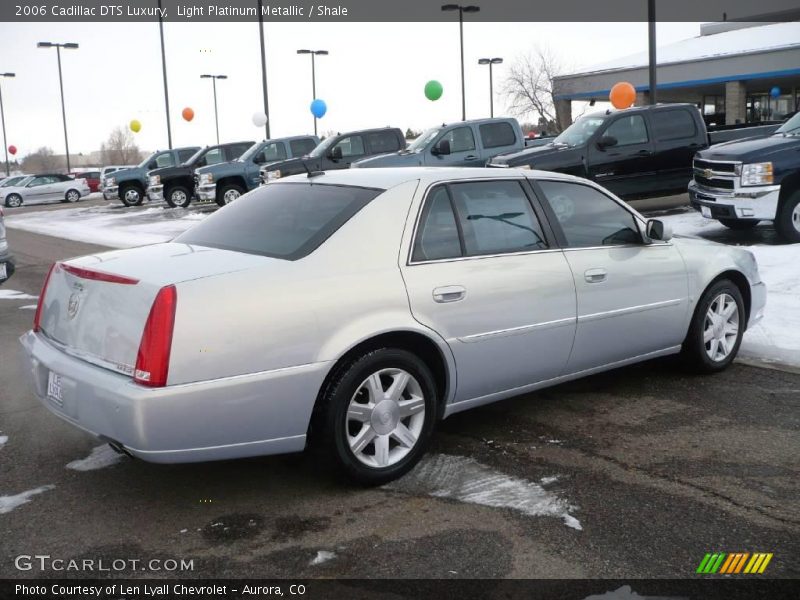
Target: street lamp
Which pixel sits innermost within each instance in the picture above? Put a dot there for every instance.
(490, 62)
(3, 119)
(314, 53)
(461, 10)
(58, 47)
(213, 79)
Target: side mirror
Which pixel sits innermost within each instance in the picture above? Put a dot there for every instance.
(441, 148)
(335, 153)
(658, 230)
(151, 165)
(607, 141)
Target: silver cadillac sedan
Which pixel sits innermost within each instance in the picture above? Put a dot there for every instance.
(357, 308)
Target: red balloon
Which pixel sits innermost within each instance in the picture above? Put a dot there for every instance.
(12, 149)
(188, 114)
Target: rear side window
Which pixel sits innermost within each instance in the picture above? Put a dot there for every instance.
(281, 220)
(672, 125)
(301, 147)
(628, 130)
(460, 138)
(494, 135)
(186, 154)
(235, 151)
(437, 236)
(383, 141)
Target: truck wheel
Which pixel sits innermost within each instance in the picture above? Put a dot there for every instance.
(228, 194)
(739, 224)
(178, 196)
(787, 221)
(130, 195)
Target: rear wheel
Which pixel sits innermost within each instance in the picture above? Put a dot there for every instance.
(378, 415)
(178, 196)
(739, 224)
(72, 196)
(787, 221)
(13, 200)
(228, 194)
(717, 327)
(130, 195)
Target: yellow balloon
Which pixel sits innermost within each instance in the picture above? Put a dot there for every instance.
(135, 126)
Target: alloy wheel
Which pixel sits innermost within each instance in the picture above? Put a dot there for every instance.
(230, 196)
(73, 196)
(721, 327)
(132, 195)
(796, 218)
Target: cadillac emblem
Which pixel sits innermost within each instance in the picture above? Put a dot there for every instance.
(73, 305)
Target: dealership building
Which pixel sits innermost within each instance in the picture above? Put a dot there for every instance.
(728, 71)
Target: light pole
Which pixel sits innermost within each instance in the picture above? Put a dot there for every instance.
(490, 62)
(314, 53)
(214, 82)
(58, 47)
(164, 74)
(461, 10)
(3, 119)
(263, 63)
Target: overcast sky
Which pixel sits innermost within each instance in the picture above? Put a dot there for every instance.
(374, 75)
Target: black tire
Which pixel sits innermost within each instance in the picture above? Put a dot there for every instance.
(787, 221)
(131, 195)
(694, 350)
(226, 192)
(178, 196)
(72, 195)
(739, 224)
(331, 423)
(13, 200)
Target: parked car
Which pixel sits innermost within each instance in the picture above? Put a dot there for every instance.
(640, 151)
(338, 152)
(742, 183)
(225, 182)
(346, 302)
(461, 144)
(176, 184)
(92, 178)
(129, 185)
(6, 259)
(45, 186)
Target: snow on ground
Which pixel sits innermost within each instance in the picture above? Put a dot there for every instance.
(16, 295)
(9, 503)
(467, 480)
(107, 226)
(101, 456)
(322, 556)
(3, 440)
(28, 307)
(777, 337)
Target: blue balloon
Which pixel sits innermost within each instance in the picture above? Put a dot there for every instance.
(775, 92)
(319, 108)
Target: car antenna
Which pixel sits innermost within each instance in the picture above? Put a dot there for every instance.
(310, 172)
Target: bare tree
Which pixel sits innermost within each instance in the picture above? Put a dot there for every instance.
(120, 149)
(43, 160)
(529, 87)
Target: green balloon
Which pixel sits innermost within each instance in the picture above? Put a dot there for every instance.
(433, 90)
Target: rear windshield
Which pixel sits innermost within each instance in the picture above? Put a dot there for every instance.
(281, 220)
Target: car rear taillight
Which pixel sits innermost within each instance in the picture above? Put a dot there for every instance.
(38, 314)
(152, 361)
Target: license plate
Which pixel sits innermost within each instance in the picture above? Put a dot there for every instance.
(3, 271)
(54, 391)
(705, 211)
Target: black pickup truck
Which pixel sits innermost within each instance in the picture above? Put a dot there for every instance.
(758, 179)
(176, 184)
(636, 152)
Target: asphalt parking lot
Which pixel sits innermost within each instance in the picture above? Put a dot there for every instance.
(656, 467)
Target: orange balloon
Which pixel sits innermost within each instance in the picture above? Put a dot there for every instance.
(188, 113)
(622, 95)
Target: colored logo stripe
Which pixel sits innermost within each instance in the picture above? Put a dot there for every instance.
(758, 563)
(711, 562)
(734, 562)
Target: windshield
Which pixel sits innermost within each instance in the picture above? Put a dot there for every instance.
(320, 150)
(579, 132)
(791, 126)
(18, 180)
(422, 141)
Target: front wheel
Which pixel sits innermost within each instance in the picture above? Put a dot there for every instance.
(228, 194)
(13, 200)
(378, 415)
(787, 221)
(130, 195)
(72, 196)
(717, 327)
(178, 197)
(739, 224)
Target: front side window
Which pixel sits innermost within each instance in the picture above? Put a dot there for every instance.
(280, 220)
(213, 157)
(270, 153)
(461, 139)
(37, 181)
(628, 130)
(437, 236)
(495, 135)
(164, 160)
(350, 146)
(588, 217)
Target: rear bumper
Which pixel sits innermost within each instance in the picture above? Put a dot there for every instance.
(6, 261)
(248, 415)
(759, 202)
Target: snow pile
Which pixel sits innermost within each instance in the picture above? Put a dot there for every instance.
(101, 456)
(466, 480)
(16, 295)
(322, 556)
(3, 440)
(9, 503)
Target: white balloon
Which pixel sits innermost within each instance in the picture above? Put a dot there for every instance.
(259, 119)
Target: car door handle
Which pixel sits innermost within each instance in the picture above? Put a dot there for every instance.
(471, 157)
(595, 275)
(644, 153)
(449, 293)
